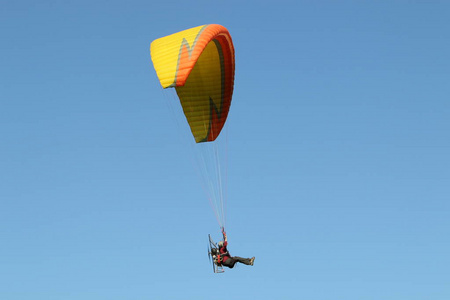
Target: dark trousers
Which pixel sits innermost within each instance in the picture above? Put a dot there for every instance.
(231, 261)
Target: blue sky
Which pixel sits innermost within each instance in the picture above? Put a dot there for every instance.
(338, 168)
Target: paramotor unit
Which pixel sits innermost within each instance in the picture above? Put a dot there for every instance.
(213, 254)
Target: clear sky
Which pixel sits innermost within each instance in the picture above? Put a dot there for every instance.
(338, 167)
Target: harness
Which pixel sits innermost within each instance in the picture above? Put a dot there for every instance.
(220, 256)
(218, 260)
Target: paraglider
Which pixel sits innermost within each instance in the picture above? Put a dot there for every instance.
(199, 63)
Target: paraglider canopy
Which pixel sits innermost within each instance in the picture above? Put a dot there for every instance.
(199, 64)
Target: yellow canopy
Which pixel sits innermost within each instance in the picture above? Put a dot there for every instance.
(199, 64)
